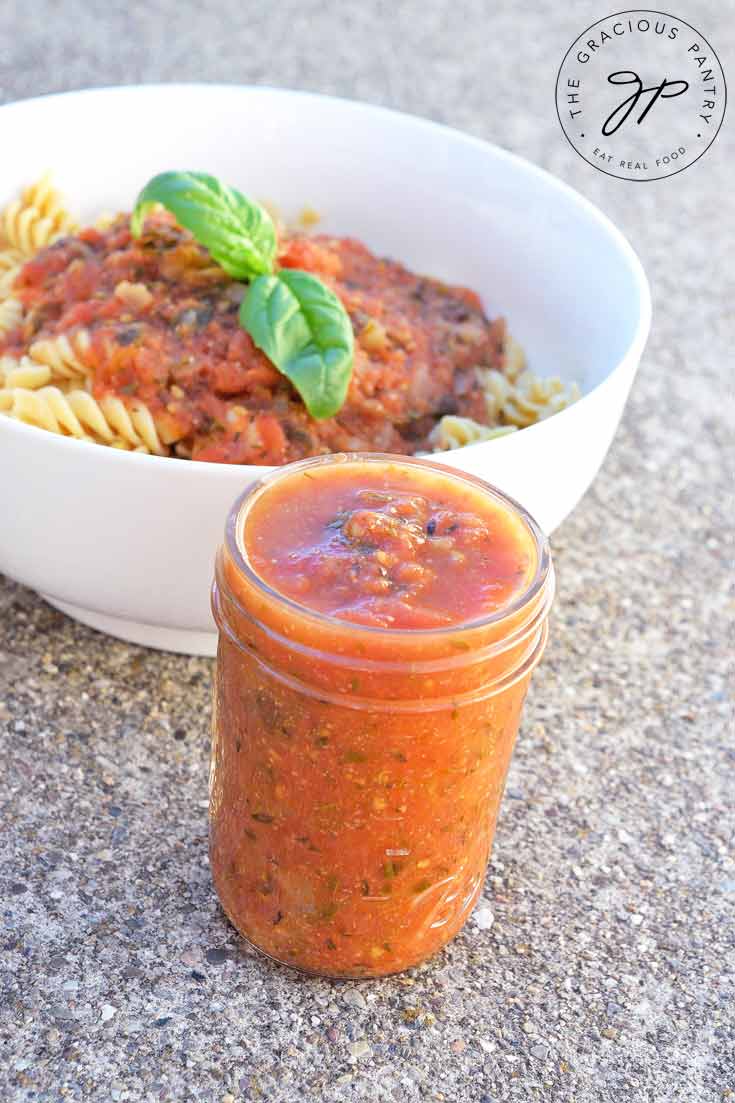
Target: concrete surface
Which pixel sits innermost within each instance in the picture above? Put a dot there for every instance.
(607, 972)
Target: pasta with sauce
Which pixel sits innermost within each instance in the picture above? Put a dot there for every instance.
(10, 265)
(135, 344)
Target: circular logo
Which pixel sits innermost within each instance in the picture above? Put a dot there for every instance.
(641, 95)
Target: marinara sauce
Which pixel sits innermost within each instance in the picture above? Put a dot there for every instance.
(379, 621)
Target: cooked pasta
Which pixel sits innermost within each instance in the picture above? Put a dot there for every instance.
(36, 219)
(7, 279)
(47, 201)
(514, 358)
(455, 432)
(11, 313)
(47, 408)
(135, 344)
(76, 413)
(9, 259)
(104, 221)
(134, 424)
(10, 263)
(525, 400)
(23, 373)
(63, 355)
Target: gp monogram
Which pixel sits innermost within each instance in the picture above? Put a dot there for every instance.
(641, 95)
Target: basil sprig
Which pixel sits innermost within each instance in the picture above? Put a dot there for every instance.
(297, 321)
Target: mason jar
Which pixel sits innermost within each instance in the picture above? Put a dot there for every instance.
(358, 768)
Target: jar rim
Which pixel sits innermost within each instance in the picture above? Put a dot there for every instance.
(236, 550)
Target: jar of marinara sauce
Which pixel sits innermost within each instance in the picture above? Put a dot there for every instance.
(379, 620)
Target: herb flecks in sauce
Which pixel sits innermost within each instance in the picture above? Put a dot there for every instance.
(382, 818)
(389, 556)
(292, 315)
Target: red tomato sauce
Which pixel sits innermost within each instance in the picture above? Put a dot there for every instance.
(357, 763)
(163, 321)
(387, 545)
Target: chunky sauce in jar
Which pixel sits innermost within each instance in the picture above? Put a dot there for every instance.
(390, 546)
(379, 621)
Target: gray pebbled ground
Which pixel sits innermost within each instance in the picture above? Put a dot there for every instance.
(599, 967)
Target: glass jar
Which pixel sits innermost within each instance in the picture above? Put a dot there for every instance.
(357, 772)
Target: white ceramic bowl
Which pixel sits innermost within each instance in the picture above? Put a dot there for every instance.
(125, 542)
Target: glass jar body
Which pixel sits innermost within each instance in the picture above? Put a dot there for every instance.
(350, 841)
(357, 770)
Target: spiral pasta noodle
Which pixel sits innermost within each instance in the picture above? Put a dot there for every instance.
(134, 424)
(47, 201)
(514, 358)
(527, 400)
(76, 413)
(9, 259)
(11, 314)
(10, 265)
(47, 408)
(456, 432)
(23, 373)
(515, 398)
(63, 355)
(7, 279)
(36, 219)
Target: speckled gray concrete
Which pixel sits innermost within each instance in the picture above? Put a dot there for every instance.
(607, 972)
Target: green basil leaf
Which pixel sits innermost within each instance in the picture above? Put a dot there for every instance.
(302, 326)
(238, 233)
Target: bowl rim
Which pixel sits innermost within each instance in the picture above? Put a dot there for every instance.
(429, 126)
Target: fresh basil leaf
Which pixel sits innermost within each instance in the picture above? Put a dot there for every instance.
(302, 326)
(238, 233)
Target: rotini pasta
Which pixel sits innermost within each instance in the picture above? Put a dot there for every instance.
(455, 432)
(11, 314)
(133, 423)
(104, 220)
(47, 408)
(63, 355)
(76, 413)
(515, 398)
(9, 259)
(45, 198)
(36, 219)
(23, 373)
(7, 279)
(514, 358)
(10, 263)
(525, 400)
